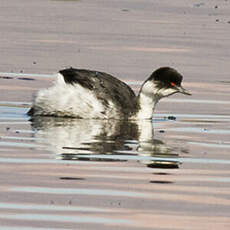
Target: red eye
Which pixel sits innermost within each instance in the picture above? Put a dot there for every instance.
(172, 84)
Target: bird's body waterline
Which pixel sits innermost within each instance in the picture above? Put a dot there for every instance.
(88, 94)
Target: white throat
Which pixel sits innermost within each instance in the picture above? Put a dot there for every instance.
(147, 105)
(147, 99)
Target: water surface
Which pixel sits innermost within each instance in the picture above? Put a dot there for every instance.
(101, 173)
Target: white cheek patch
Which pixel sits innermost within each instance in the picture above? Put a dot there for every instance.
(166, 92)
(152, 89)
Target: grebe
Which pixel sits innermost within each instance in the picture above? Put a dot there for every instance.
(88, 94)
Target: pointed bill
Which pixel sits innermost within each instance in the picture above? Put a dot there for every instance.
(183, 91)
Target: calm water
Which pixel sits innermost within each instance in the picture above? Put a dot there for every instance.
(104, 173)
(169, 174)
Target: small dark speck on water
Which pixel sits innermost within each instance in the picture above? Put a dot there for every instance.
(26, 79)
(161, 173)
(17, 132)
(160, 182)
(71, 178)
(217, 20)
(184, 151)
(163, 166)
(6, 77)
(7, 128)
(172, 118)
(199, 4)
(125, 10)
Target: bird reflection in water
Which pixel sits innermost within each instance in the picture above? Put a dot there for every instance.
(104, 140)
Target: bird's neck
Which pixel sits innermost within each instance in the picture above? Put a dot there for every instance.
(146, 101)
(146, 106)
